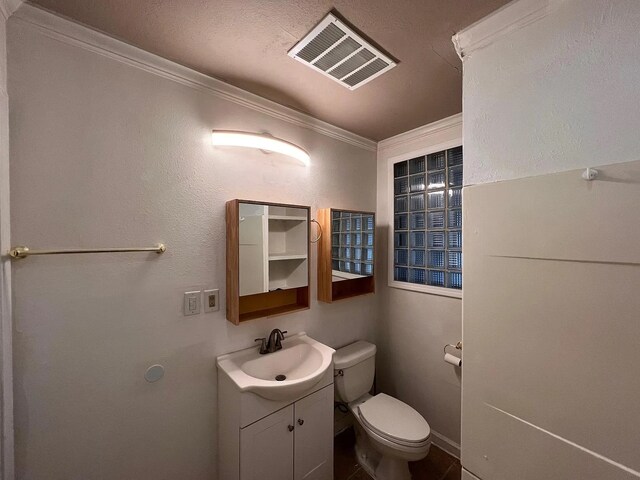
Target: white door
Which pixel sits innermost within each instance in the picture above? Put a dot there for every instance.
(313, 457)
(551, 328)
(266, 447)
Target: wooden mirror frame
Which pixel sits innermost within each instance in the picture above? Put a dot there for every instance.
(278, 302)
(328, 290)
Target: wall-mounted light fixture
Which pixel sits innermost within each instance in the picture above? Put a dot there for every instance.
(259, 141)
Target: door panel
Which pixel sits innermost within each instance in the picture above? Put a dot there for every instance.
(252, 266)
(266, 448)
(550, 327)
(313, 454)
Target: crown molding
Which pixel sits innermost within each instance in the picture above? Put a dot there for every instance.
(454, 121)
(511, 17)
(7, 7)
(77, 35)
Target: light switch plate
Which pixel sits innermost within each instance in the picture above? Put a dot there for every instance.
(191, 303)
(211, 300)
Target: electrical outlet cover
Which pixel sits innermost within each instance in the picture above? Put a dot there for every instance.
(211, 300)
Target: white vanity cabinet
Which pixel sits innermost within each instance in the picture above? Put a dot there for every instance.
(295, 443)
(261, 439)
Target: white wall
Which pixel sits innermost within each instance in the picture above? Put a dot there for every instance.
(413, 327)
(550, 303)
(557, 94)
(109, 154)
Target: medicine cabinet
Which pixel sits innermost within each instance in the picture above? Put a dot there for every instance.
(267, 259)
(346, 253)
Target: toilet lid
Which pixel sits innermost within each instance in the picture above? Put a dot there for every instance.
(394, 420)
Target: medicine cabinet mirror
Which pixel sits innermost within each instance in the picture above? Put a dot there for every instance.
(267, 259)
(346, 253)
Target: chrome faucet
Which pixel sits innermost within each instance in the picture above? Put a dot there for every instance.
(274, 343)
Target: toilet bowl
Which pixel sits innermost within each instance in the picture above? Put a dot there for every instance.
(389, 433)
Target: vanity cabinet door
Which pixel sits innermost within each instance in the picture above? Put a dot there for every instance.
(266, 447)
(314, 436)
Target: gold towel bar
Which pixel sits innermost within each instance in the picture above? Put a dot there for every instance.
(22, 251)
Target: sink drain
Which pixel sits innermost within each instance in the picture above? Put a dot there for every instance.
(280, 378)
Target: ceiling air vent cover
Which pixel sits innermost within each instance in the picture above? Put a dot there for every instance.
(336, 51)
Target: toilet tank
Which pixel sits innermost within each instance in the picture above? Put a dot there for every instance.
(354, 368)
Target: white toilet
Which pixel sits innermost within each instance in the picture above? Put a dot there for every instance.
(389, 433)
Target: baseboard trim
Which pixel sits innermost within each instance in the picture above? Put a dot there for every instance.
(467, 475)
(445, 443)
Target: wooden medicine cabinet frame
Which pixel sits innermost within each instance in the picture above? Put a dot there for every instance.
(328, 290)
(275, 302)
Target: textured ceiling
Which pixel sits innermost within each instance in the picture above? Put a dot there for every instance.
(245, 43)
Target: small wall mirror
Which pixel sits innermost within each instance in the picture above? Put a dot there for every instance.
(346, 254)
(267, 259)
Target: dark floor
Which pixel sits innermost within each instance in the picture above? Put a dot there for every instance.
(438, 465)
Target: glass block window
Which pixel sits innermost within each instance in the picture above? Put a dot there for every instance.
(352, 242)
(428, 219)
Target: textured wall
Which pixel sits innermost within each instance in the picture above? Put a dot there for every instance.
(550, 310)
(412, 326)
(561, 93)
(105, 154)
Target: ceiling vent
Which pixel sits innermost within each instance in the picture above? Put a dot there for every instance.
(339, 53)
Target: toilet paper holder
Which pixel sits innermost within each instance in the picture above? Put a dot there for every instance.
(457, 346)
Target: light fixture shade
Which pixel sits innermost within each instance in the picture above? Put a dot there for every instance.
(262, 142)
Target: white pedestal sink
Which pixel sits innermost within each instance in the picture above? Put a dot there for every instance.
(281, 375)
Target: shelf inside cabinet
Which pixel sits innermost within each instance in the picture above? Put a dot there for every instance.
(276, 302)
(274, 257)
(288, 218)
(339, 276)
(291, 273)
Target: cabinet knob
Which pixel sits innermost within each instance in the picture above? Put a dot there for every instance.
(291, 427)
(300, 421)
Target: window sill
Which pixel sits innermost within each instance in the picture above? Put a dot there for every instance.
(441, 291)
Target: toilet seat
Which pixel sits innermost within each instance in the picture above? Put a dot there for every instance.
(395, 421)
